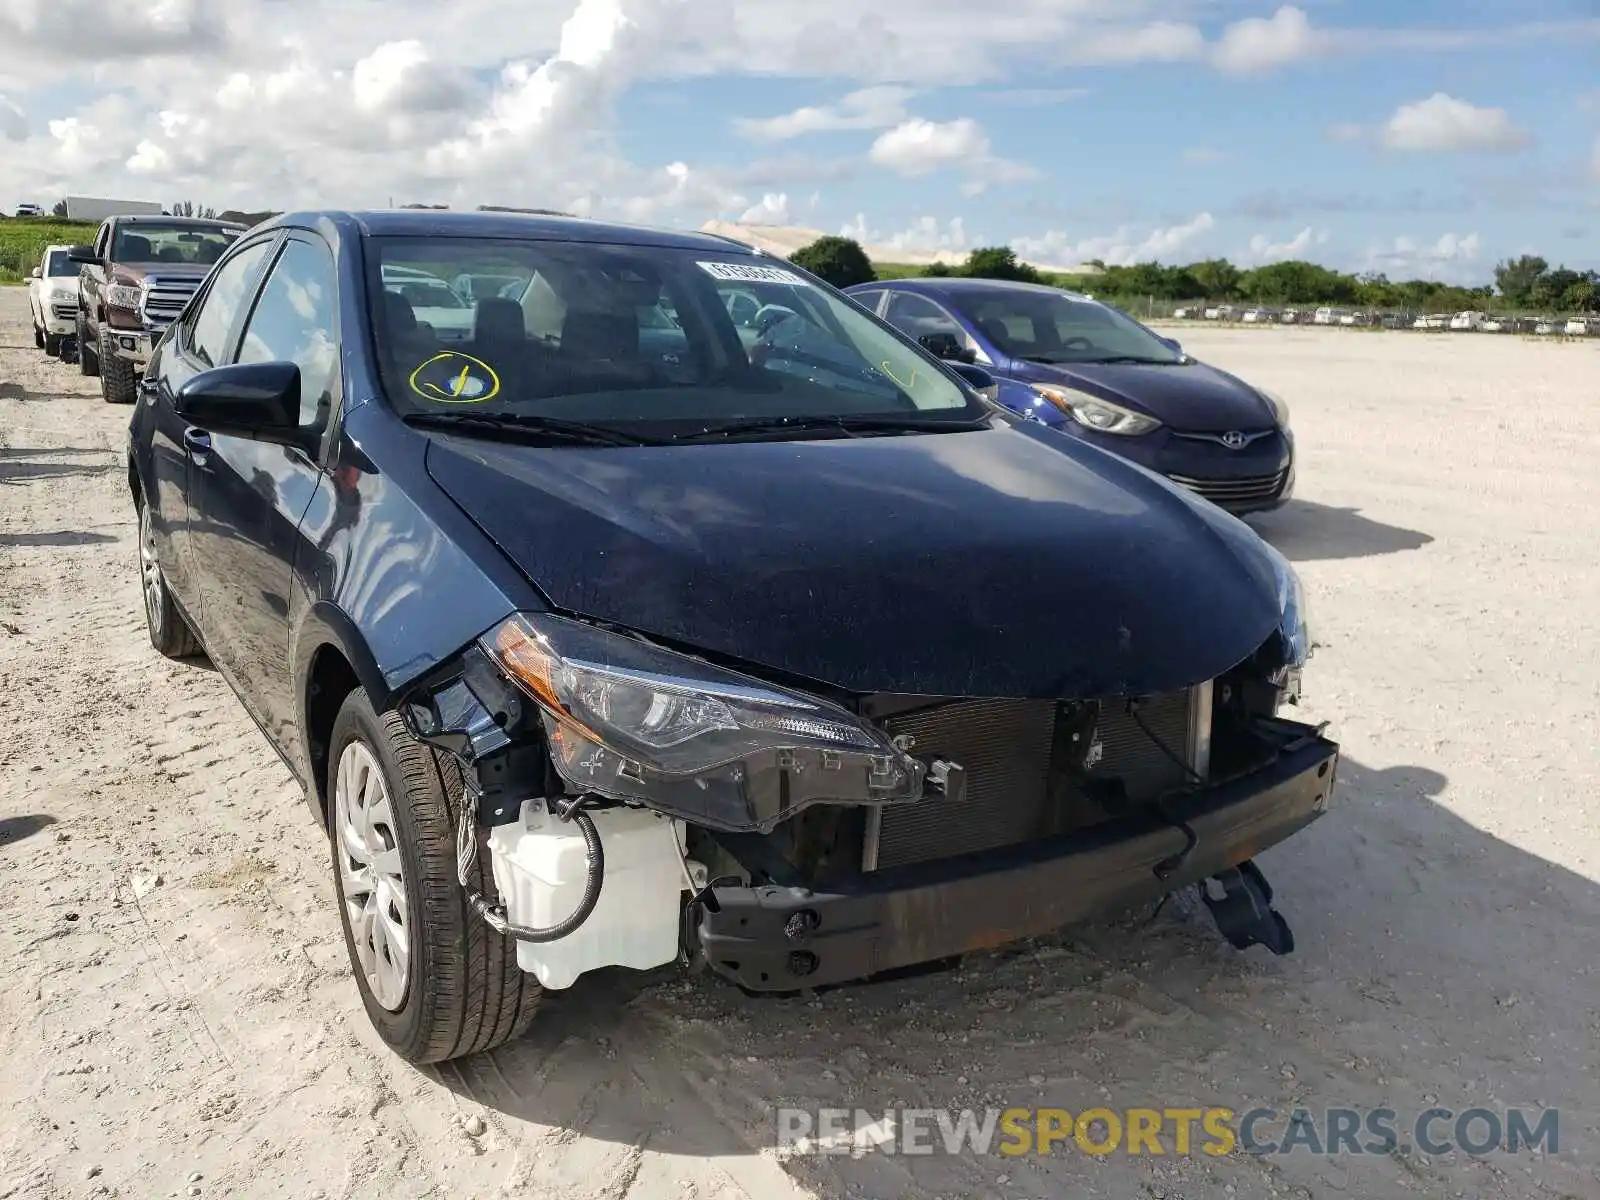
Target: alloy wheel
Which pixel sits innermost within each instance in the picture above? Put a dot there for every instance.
(150, 570)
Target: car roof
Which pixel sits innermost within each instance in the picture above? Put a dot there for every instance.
(956, 286)
(170, 222)
(446, 224)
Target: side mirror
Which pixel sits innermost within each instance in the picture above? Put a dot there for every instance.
(976, 376)
(36, 273)
(946, 346)
(253, 400)
(1171, 344)
(83, 254)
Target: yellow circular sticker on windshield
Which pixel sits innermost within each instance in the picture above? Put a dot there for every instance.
(451, 377)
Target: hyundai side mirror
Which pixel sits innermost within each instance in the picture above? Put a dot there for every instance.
(946, 346)
(980, 379)
(83, 254)
(253, 400)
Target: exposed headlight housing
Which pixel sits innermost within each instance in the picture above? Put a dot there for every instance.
(1280, 408)
(1294, 623)
(632, 721)
(124, 295)
(1091, 412)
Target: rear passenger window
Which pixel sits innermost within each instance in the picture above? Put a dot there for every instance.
(293, 321)
(213, 320)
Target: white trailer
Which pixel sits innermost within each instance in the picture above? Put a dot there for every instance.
(98, 208)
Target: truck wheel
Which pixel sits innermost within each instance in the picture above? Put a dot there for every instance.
(118, 382)
(87, 363)
(169, 631)
(38, 338)
(52, 345)
(436, 980)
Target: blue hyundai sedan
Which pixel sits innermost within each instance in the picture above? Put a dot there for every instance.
(1092, 371)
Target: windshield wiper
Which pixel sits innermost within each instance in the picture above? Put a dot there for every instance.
(530, 425)
(1132, 358)
(850, 426)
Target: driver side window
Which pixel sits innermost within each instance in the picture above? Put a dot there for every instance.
(916, 316)
(207, 334)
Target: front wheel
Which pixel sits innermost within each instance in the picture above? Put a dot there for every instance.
(169, 631)
(437, 982)
(119, 384)
(38, 338)
(52, 345)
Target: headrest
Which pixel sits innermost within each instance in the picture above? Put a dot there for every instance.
(499, 318)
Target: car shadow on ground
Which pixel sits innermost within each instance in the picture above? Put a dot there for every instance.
(1435, 962)
(61, 537)
(14, 829)
(1305, 531)
(15, 467)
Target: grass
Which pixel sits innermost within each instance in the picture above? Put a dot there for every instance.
(23, 239)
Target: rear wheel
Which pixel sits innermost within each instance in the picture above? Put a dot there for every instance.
(38, 338)
(169, 631)
(436, 980)
(118, 382)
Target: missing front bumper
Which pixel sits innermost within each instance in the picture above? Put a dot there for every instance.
(774, 938)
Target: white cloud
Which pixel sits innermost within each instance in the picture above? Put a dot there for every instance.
(773, 209)
(1263, 43)
(1264, 250)
(13, 120)
(869, 108)
(1442, 122)
(1119, 249)
(925, 236)
(918, 147)
(1448, 259)
(1159, 41)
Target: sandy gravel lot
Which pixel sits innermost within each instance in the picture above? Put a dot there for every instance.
(176, 1016)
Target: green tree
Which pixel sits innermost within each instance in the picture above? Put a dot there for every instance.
(999, 262)
(1516, 278)
(938, 269)
(1580, 297)
(1218, 278)
(839, 260)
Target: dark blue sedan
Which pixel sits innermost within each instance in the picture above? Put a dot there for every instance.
(672, 608)
(1093, 371)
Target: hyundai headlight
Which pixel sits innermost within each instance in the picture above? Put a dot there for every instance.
(1094, 413)
(632, 721)
(1280, 408)
(1294, 624)
(124, 295)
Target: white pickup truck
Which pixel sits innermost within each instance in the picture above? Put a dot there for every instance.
(53, 299)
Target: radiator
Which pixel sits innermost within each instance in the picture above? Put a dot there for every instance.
(1006, 747)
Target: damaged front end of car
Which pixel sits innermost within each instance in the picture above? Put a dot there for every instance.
(639, 804)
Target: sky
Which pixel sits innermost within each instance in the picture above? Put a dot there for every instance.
(1425, 138)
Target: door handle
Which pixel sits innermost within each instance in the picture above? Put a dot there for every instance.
(196, 441)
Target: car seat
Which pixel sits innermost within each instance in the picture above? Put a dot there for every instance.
(134, 248)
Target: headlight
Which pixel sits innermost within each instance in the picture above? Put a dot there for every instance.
(1280, 409)
(1294, 623)
(124, 295)
(1094, 413)
(63, 296)
(631, 721)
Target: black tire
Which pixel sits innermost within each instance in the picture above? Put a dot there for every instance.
(170, 632)
(38, 338)
(119, 383)
(87, 363)
(52, 345)
(464, 992)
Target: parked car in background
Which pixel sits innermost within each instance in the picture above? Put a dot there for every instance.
(133, 280)
(1253, 316)
(29, 210)
(434, 303)
(1545, 327)
(1577, 327)
(1289, 316)
(1466, 321)
(793, 659)
(1095, 373)
(1182, 314)
(1324, 316)
(53, 299)
(1494, 325)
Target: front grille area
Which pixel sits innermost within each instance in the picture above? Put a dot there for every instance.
(1007, 748)
(165, 297)
(1242, 489)
(65, 312)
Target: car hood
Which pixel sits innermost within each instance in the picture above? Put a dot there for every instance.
(1186, 396)
(1013, 561)
(136, 271)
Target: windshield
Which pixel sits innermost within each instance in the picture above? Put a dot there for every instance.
(1054, 327)
(639, 336)
(148, 242)
(58, 266)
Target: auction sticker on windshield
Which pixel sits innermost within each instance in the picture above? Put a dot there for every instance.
(745, 274)
(451, 377)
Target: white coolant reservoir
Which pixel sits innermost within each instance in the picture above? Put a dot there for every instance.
(541, 865)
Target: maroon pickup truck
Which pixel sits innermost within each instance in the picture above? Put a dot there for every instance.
(136, 277)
